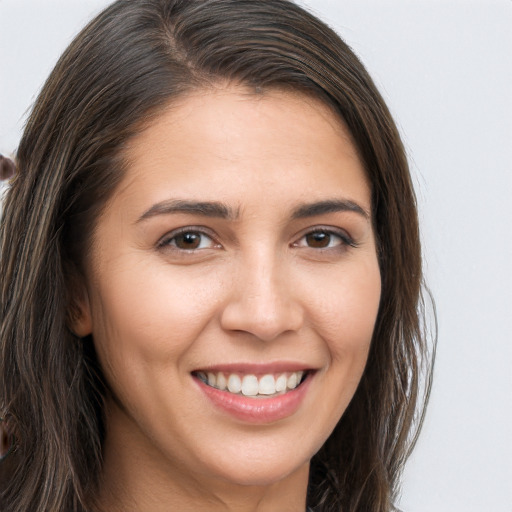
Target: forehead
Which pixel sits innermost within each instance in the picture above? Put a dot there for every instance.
(217, 138)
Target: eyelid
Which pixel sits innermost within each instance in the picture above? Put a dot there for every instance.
(342, 234)
(201, 230)
(346, 238)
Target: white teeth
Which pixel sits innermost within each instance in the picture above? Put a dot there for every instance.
(221, 381)
(267, 385)
(250, 385)
(291, 383)
(234, 383)
(281, 383)
(212, 379)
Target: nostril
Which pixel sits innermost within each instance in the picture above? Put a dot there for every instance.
(266, 320)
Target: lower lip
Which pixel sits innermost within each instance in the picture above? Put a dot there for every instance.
(257, 410)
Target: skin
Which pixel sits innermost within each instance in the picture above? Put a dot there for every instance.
(257, 289)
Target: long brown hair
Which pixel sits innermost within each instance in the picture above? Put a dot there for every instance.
(115, 77)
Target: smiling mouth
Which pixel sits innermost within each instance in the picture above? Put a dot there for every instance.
(252, 386)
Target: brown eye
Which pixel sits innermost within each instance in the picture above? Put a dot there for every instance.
(319, 240)
(190, 241)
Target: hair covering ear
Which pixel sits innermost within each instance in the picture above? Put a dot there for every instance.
(79, 313)
(7, 168)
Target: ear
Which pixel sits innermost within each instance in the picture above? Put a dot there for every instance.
(79, 312)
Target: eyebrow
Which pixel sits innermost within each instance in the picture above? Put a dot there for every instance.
(220, 210)
(202, 208)
(329, 206)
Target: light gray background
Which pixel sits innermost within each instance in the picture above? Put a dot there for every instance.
(445, 69)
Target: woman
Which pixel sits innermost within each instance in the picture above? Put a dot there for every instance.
(211, 271)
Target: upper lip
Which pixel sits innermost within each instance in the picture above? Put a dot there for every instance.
(256, 368)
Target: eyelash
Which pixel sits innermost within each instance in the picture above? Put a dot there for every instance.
(189, 230)
(343, 237)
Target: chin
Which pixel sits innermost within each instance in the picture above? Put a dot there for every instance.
(262, 474)
(259, 467)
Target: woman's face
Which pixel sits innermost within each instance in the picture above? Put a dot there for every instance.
(233, 288)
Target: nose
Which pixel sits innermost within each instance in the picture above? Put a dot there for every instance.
(262, 301)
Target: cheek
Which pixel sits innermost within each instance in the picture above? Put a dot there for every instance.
(346, 319)
(152, 315)
(343, 310)
(346, 309)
